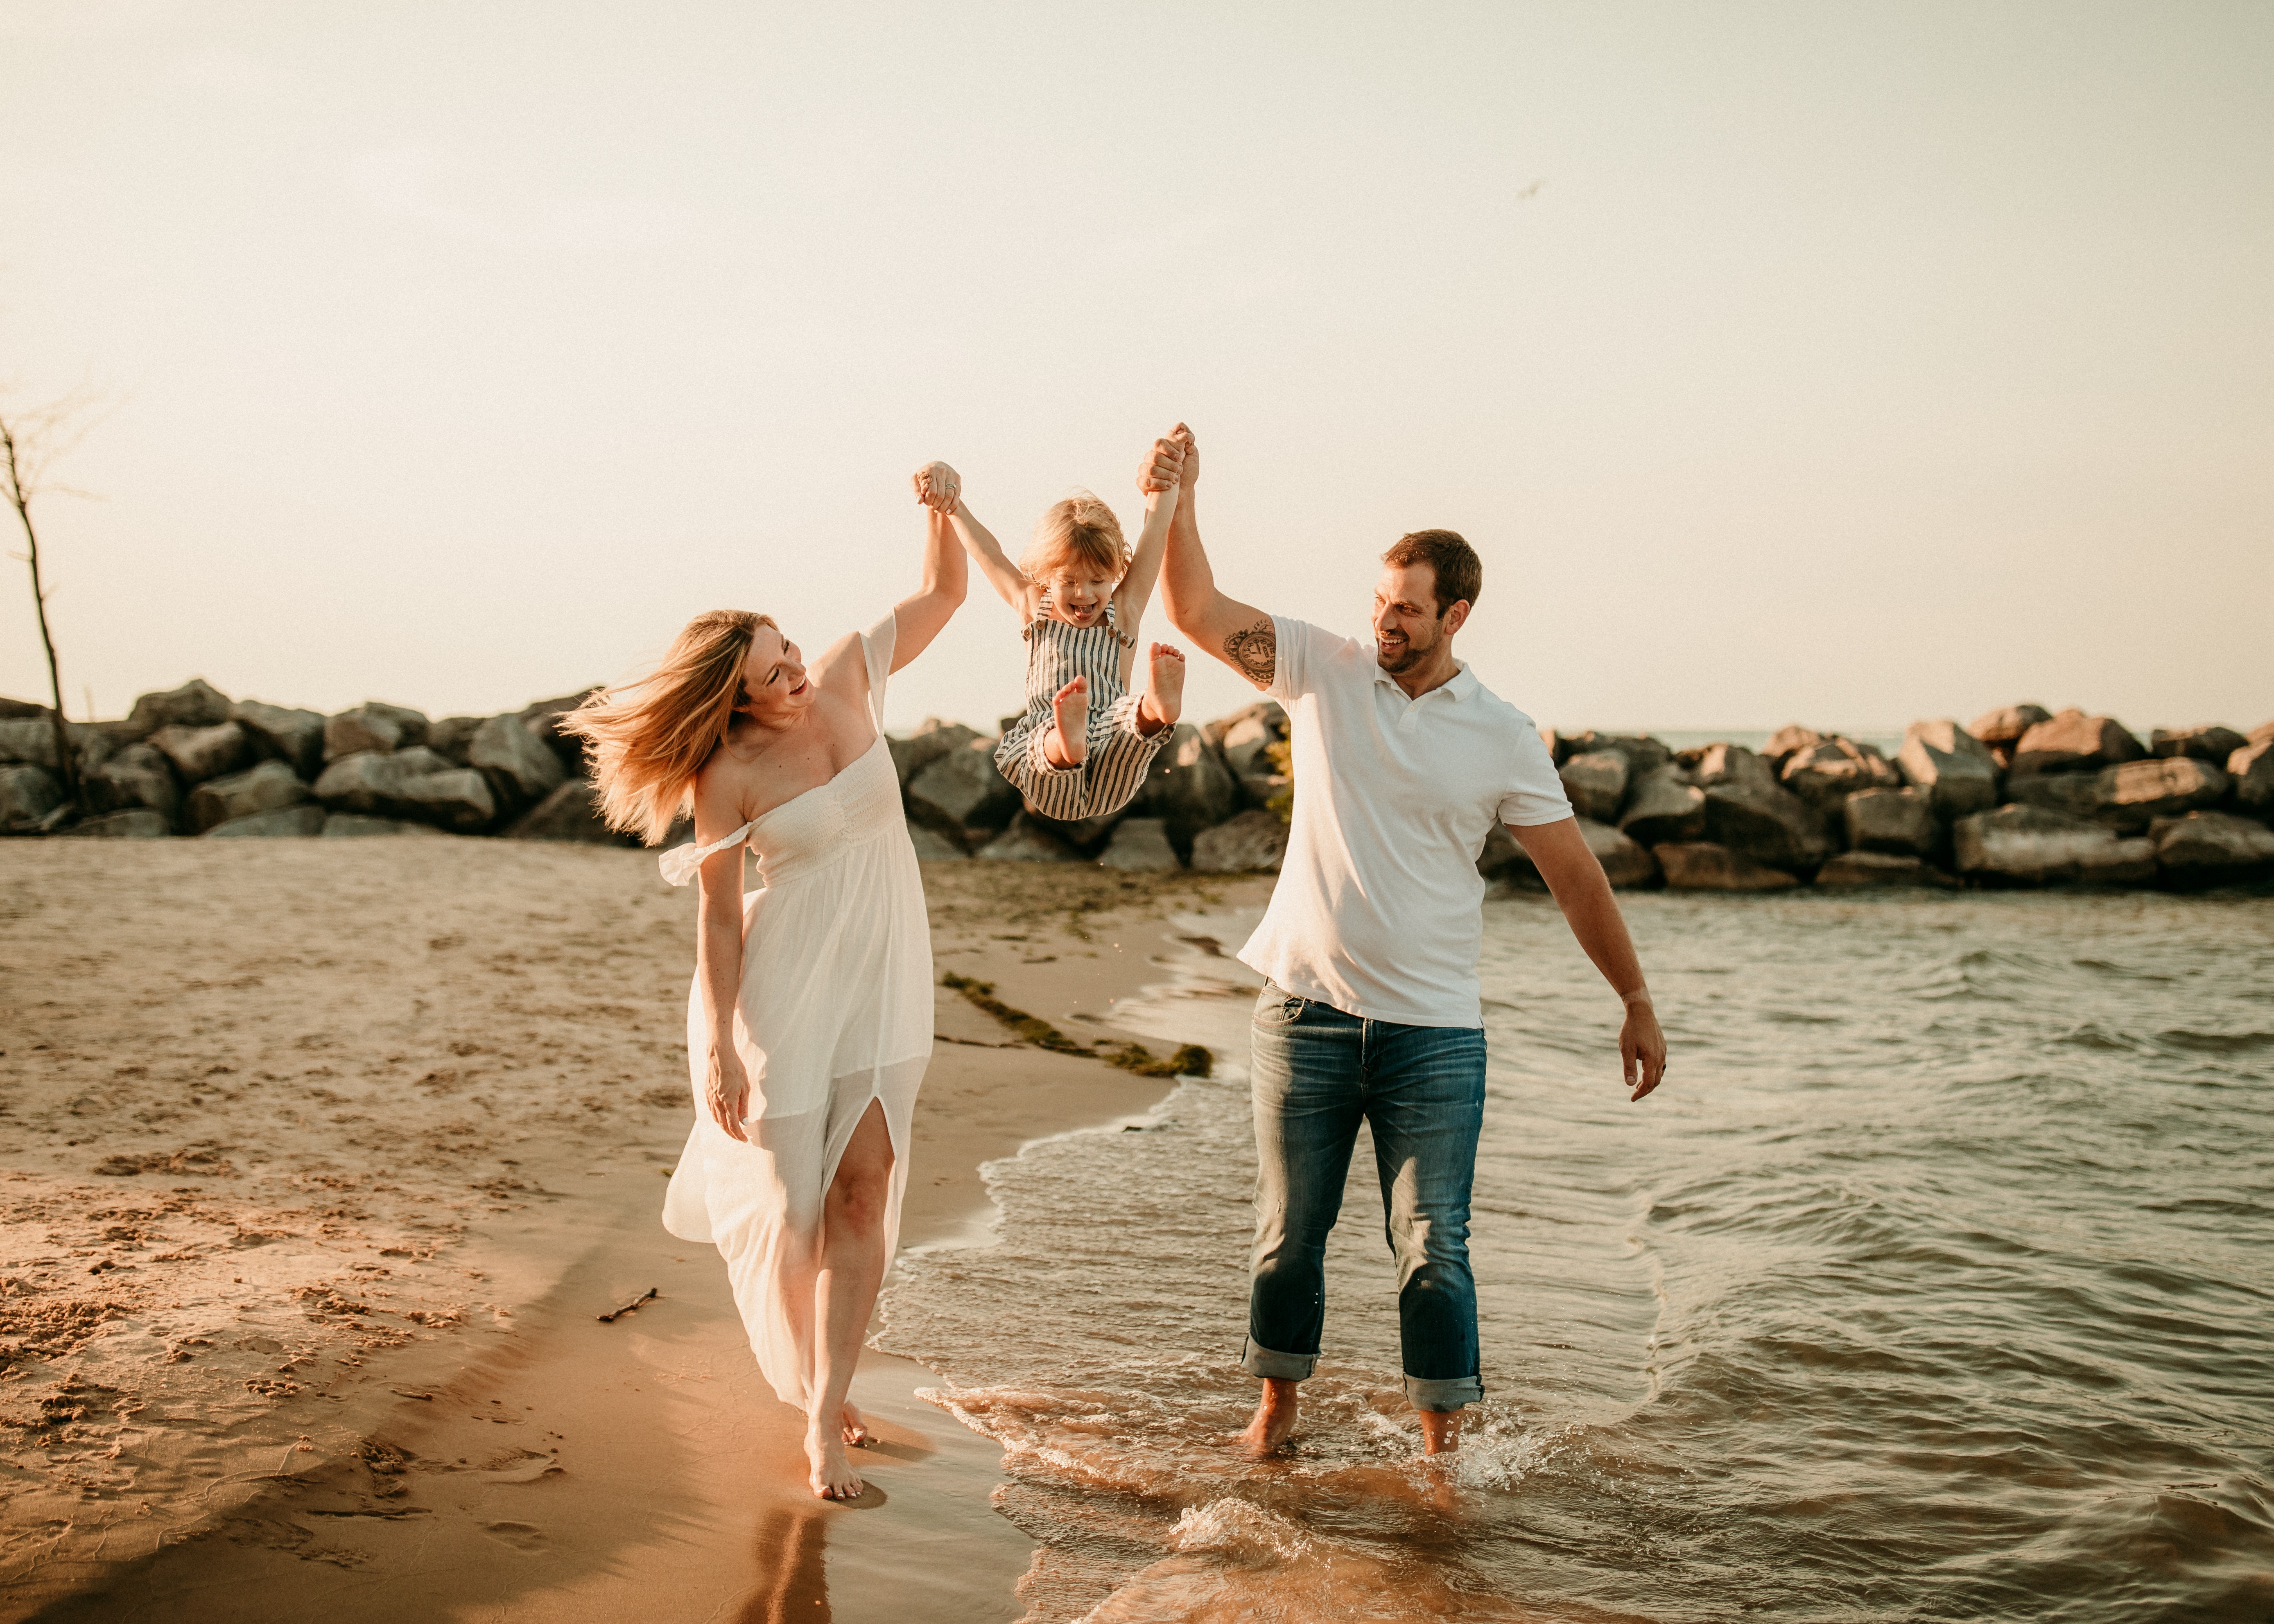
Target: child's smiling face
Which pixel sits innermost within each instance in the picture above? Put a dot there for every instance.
(1078, 594)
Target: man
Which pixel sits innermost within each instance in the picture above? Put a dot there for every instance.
(1402, 760)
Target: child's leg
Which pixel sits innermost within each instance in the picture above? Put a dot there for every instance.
(1067, 743)
(1023, 758)
(1121, 753)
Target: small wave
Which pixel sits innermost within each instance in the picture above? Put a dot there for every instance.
(1236, 1528)
(2217, 1042)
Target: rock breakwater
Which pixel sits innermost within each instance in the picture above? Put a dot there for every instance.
(2023, 796)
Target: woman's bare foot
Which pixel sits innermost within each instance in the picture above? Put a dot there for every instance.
(1275, 1418)
(1164, 696)
(1071, 709)
(830, 1473)
(856, 1426)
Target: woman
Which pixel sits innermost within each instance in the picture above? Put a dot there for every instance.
(811, 1020)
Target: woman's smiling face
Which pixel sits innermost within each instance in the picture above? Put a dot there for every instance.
(775, 684)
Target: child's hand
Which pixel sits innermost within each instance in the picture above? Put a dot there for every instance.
(939, 487)
(1162, 466)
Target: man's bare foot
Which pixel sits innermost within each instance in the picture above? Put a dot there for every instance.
(1164, 696)
(1441, 1430)
(1275, 1418)
(856, 1426)
(830, 1473)
(1070, 748)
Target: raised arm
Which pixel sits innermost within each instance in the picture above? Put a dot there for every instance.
(917, 619)
(1239, 635)
(1575, 876)
(1161, 502)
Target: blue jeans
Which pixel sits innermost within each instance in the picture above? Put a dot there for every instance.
(1317, 1073)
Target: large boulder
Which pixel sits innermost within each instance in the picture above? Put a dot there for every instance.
(301, 823)
(1955, 769)
(1891, 822)
(1702, 866)
(451, 737)
(571, 813)
(196, 704)
(2032, 846)
(28, 795)
(414, 786)
(1026, 840)
(1790, 740)
(28, 741)
(1664, 805)
(1880, 870)
(17, 709)
(372, 727)
(279, 733)
(1254, 840)
(1189, 788)
(1826, 773)
(1626, 863)
(543, 720)
(137, 775)
(1644, 753)
(1748, 811)
(2073, 741)
(135, 823)
(272, 786)
(1596, 784)
(2135, 794)
(962, 794)
(2208, 847)
(520, 768)
(2075, 794)
(202, 753)
(933, 847)
(2252, 770)
(2000, 730)
(1140, 845)
(932, 740)
(2209, 742)
(1251, 742)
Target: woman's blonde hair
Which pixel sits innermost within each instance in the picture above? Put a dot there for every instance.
(647, 739)
(1081, 529)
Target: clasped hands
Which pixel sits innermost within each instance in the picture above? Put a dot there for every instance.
(1171, 459)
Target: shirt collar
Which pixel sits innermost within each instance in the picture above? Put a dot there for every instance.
(1458, 687)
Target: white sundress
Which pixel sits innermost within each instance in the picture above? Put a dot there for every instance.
(835, 1009)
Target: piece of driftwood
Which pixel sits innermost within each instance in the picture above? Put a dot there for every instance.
(617, 1312)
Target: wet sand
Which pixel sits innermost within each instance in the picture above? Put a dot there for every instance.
(321, 1159)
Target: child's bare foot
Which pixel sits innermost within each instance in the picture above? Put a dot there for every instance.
(856, 1426)
(1070, 748)
(1164, 696)
(830, 1473)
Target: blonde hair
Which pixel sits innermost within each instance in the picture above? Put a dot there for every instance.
(647, 739)
(1081, 529)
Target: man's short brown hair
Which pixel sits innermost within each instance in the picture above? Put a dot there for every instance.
(1460, 573)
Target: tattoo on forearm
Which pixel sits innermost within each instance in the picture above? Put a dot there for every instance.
(1255, 651)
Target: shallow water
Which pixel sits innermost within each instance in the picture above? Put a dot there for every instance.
(1935, 1284)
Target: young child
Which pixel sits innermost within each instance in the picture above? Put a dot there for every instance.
(1086, 742)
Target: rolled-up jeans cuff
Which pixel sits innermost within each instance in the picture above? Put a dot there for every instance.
(1277, 1366)
(1424, 1393)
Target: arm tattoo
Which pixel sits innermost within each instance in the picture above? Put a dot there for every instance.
(1255, 651)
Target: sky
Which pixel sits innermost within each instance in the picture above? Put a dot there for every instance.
(1783, 362)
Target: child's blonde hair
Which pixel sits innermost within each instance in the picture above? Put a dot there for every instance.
(1080, 530)
(646, 740)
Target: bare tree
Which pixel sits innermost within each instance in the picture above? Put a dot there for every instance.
(25, 439)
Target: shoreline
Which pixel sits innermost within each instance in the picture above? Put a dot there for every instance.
(451, 1426)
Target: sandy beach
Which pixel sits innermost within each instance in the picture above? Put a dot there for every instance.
(322, 1160)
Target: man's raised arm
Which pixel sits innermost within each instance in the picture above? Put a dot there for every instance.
(1238, 634)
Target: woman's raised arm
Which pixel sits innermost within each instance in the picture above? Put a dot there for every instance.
(917, 619)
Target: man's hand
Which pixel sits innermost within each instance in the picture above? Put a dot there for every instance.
(1642, 1050)
(1161, 465)
(1191, 474)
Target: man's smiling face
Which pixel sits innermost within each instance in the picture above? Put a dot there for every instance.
(1406, 625)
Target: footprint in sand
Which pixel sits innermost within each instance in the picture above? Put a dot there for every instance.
(520, 1536)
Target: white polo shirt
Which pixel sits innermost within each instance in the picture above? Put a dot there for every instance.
(1377, 911)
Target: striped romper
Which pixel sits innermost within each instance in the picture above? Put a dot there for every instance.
(1114, 769)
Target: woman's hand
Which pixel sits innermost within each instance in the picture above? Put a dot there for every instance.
(939, 487)
(1190, 474)
(726, 1090)
(1163, 466)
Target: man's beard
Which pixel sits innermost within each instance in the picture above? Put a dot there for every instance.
(1404, 656)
